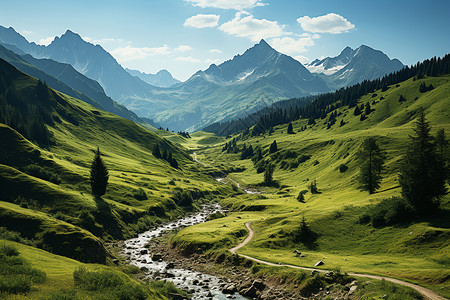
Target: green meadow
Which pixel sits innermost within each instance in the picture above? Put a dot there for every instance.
(417, 251)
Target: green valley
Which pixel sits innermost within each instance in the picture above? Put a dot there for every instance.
(416, 250)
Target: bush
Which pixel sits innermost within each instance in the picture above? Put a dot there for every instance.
(8, 250)
(303, 158)
(16, 273)
(301, 195)
(42, 173)
(390, 211)
(108, 281)
(140, 194)
(311, 286)
(343, 168)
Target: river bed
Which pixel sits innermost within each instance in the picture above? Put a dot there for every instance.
(200, 285)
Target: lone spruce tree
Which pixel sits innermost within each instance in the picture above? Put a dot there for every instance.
(422, 174)
(268, 174)
(371, 160)
(99, 175)
(273, 147)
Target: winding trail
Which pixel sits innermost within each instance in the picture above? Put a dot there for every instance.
(426, 293)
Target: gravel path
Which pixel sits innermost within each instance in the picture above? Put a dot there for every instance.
(426, 293)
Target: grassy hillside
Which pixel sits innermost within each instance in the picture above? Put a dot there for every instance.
(58, 277)
(48, 186)
(418, 251)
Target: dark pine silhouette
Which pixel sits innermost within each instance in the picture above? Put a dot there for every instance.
(422, 173)
(371, 165)
(99, 175)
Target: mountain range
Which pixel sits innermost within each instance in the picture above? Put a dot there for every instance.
(241, 85)
(162, 78)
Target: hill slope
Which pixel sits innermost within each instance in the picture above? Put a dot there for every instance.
(49, 185)
(416, 250)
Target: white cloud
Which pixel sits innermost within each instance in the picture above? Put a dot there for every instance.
(210, 61)
(104, 41)
(189, 59)
(329, 23)
(182, 48)
(215, 51)
(227, 4)
(46, 41)
(26, 32)
(129, 53)
(244, 25)
(291, 46)
(202, 21)
(303, 59)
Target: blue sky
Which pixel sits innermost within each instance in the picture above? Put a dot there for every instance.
(184, 36)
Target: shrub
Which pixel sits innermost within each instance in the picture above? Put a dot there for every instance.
(303, 158)
(343, 168)
(108, 281)
(140, 194)
(42, 173)
(8, 250)
(390, 211)
(311, 286)
(16, 273)
(301, 195)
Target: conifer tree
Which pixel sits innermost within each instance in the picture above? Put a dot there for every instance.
(273, 147)
(357, 111)
(290, 129)
(268, 174)
(371, 165)
(99, 175)
(156, 151)
(422, 175)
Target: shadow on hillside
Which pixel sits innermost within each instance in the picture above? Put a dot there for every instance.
(388, 189)
(441, 219)
(105, 216)
(274, 184)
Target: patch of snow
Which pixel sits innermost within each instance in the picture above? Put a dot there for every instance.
(246, 74)
(320, 69)
(345, 73)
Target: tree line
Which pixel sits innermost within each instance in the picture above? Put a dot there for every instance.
(25, 112)
(424, 168)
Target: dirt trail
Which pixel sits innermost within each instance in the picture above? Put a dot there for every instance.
(426, 293)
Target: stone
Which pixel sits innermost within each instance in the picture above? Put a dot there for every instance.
(170, 265)
(156, 257)
(259, 285)
(319, 263)
(115, 261)
(143, 251)
(251, 292)
(229, 289)
(352, 289)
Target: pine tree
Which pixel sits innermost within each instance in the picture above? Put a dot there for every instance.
(357, 111)
(156, 151)
(371, 165)
(268, 174)
(368, 109)
(290, 129)
(99, 175)
(422, 175)
(273, 147)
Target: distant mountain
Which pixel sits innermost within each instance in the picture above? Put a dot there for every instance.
(353, 66)
(64, 78)
(235, 88)
(162, 78)
(331, 65)
(259, 77)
